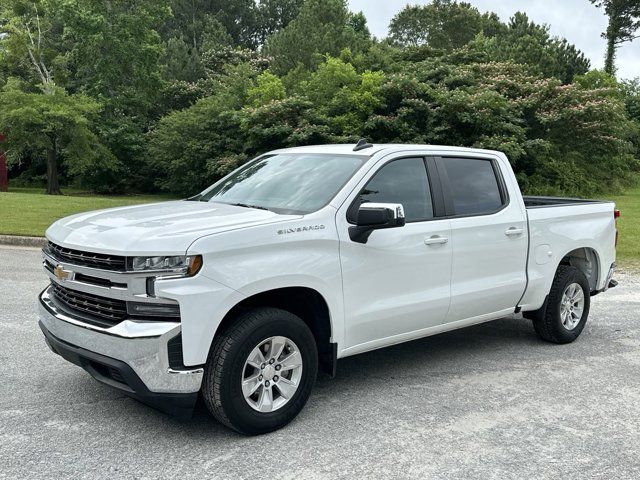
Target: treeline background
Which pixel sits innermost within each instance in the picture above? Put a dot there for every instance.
(170, 95)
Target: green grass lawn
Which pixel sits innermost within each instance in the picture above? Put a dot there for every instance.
(27, 211)
(629, 228)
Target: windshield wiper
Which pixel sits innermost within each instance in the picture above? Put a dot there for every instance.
(246, 205)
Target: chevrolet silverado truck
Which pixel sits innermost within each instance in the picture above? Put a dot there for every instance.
(303, 256)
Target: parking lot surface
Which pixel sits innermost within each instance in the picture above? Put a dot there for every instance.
(490, 401)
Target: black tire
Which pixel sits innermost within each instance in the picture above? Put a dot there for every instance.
(547, 321)
(221, 387)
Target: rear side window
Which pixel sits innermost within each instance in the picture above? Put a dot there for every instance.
(402, 181)
(474, 186)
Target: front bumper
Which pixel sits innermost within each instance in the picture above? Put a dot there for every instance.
(132, 356)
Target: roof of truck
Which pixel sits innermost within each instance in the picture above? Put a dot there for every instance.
(347, 149)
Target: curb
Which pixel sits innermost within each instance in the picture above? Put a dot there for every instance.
(18, 241)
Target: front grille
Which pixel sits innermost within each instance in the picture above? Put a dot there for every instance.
(86, 259)
(101, 311)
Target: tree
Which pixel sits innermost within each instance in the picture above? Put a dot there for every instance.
(624, 23)
(192, 19)
(29, 37)
(570, 139)
(28, 43)
(183, 53)
(274, 15)
(323, 27)
(528, 43)
(631, 91)
(190, 148)
(113, 53)
(54, 125)
(442, 24)
(290, 122)
(346, 98)
(268, 88)
(114, 50)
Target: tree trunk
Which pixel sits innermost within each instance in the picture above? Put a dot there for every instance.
(610, 56)
(611, 35)
(53, 187)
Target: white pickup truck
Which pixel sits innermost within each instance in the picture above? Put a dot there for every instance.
(306, 255)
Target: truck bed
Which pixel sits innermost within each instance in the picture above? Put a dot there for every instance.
(544, 202)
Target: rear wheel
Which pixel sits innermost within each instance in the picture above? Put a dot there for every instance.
(564, 314)
(260, 371)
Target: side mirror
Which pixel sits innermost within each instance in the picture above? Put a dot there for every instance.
(376, 216)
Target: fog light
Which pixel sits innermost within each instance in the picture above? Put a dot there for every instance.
(153, 309)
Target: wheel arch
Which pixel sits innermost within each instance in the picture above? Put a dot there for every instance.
(305, 302)
(587, 260)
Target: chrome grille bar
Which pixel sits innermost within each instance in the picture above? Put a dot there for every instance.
(88, 259)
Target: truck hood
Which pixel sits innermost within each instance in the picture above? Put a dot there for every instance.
(159, 228)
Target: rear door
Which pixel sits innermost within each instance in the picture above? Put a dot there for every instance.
(398, 281)
(488, 236)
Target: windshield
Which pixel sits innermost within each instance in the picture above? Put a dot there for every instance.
(292, 183)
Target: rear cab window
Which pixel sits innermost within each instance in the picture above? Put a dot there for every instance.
(474, 185)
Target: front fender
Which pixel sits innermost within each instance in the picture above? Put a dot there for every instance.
(294, 253)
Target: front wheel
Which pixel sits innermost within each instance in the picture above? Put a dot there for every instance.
(260, 371)
(564, 314)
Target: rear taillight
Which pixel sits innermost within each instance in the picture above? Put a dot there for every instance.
(616, 216)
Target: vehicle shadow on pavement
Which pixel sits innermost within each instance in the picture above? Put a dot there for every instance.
(459, 350)
(423, 360)
(430, 354)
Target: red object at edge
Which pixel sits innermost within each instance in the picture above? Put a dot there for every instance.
(4, 173)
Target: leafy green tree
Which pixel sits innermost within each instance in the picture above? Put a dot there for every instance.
(172, 94)
(274, 15)
(286, 123)
(44, 121)
(181, 61)
(113, 53)
(623, 26)
(343, 96)
(331, 76)
(631, 91)
(190, 148)
(114, 49)
(525, 42)
(29, 41)
(323, 27)
(544, 127)
(184, 146)
(442, 24)
(599, 79)
(55, 126)
(183, 54)
(268, 88)
(195, 20)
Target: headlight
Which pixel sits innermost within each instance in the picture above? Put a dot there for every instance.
(182, 265)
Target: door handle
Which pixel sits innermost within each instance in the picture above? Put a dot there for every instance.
(513, 231)
(436, 240)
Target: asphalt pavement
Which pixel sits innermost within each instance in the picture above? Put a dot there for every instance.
(490, 401)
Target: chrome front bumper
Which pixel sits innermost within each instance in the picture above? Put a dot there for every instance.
(142, 345)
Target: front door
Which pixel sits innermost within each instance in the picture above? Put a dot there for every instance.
(398, 281)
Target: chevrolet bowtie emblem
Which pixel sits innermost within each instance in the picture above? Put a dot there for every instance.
(61, 274)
